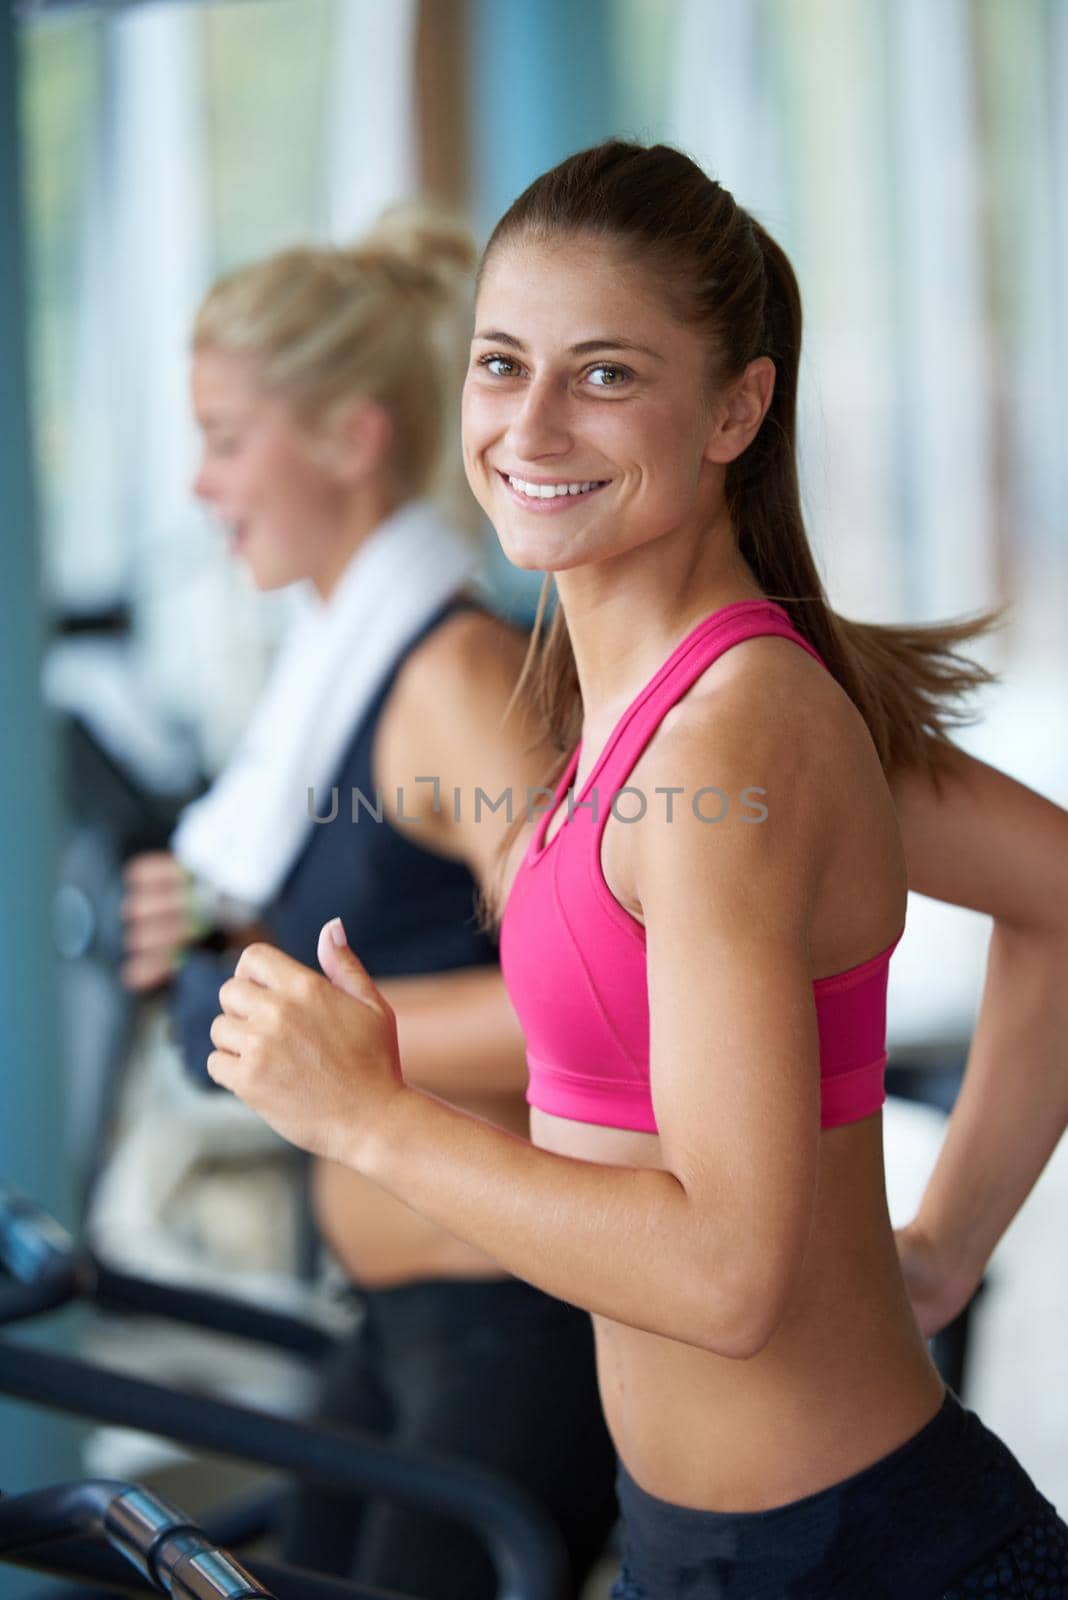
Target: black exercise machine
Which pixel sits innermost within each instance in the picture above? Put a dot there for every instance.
(150, 1546)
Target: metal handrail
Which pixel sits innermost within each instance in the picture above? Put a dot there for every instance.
(114, 1290)
(153, 1545)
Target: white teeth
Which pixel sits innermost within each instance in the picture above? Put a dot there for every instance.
(549, 491)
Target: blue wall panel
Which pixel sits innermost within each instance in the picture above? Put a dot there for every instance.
(34, 1448)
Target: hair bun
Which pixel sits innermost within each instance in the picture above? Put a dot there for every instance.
(423, 241)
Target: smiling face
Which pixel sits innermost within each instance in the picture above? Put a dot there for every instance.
(258, 472)
(586, 413)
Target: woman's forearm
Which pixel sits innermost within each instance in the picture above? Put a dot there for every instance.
(1013, 1104)
(623, 1242)
(457, 1032)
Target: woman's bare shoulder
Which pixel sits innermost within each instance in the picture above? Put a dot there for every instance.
(452, 716)
(768, 716)
(475, 655)
(773, 686)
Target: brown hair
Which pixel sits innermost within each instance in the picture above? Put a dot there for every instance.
(387, 319)
(721, 271)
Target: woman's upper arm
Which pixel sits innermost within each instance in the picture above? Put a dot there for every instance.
(451, 722)
(986, 842)
(734, 1049)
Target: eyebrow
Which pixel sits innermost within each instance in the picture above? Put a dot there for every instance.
(586, 348)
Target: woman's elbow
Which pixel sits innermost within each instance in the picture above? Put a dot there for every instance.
(755, 1334)
(748, 1336)
(742, 1323)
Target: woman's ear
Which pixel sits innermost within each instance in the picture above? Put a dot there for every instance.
(357, 441)
(739, 411)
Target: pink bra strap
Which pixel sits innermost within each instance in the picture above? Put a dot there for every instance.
(678, 674)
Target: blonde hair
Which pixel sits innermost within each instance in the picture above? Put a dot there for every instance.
(386, 320)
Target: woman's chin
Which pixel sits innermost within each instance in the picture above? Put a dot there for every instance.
(524, 561)
(531, 554)
(265, 569)
(262, 578)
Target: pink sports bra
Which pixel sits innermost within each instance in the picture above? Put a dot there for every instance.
(574, 960)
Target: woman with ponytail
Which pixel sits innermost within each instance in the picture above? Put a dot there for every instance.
(696, 933)
(325, 384)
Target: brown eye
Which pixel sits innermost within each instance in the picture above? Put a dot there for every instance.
(612, 377)
(493, 364)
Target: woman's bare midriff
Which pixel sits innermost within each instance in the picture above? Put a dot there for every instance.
(845, 1379)
(379, 1241)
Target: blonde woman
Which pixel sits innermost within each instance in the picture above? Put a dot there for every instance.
(324, 383)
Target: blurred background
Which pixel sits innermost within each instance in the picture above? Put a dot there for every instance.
(912, 158)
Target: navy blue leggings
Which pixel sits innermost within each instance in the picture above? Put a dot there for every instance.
(493, 1371)
(947, 1515)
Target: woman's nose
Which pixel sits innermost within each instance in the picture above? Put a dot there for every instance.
(202, 481)
(540, 426)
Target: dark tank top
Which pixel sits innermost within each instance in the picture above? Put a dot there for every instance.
(405, 909)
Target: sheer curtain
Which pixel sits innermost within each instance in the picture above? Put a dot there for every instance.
(370, 126)
(195, 624)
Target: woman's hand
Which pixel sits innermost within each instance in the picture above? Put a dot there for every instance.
(160, 917)
(938, 1291)
(315, 1056)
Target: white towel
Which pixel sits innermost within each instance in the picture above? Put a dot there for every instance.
(241, 838)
